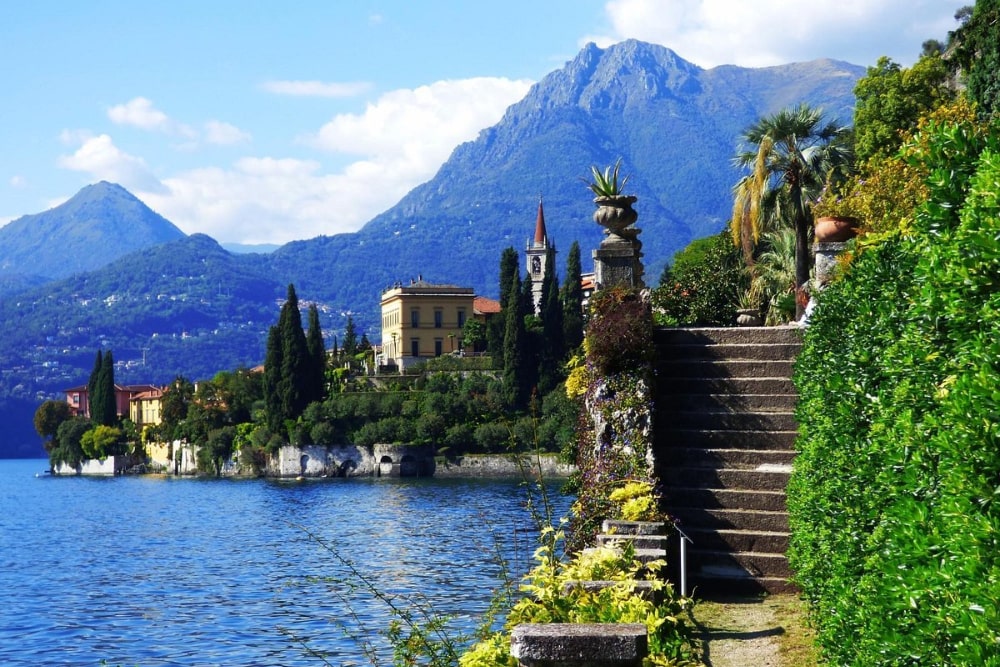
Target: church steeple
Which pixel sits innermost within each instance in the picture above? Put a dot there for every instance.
(537, 257)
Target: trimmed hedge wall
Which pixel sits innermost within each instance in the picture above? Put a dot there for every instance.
(895, 498)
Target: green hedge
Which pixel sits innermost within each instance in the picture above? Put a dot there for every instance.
(893, 500)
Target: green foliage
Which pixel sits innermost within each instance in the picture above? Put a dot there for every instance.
(101, 441)
(555, 595)
(976, 51)
(892, 498)
(702, 286)
(572, 301)
(890, 101)
(289, 371)
(48, 418)
(606, 183)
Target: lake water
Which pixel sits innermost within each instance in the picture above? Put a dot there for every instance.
(159, 571)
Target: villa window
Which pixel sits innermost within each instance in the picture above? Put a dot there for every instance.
(438, 318)
(438, 347)
(415, 347)
(461, 317)
(415, 318)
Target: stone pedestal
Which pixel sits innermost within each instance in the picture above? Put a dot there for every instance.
(615, 263)
(826, 260)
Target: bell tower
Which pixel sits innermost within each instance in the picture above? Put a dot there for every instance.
(537, 257)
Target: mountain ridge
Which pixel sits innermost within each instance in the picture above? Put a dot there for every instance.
(675, 125)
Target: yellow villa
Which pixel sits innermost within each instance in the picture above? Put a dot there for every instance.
(422, 320)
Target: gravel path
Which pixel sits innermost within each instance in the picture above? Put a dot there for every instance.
(754, 632)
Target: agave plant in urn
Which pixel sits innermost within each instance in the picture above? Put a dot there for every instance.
(614, 209)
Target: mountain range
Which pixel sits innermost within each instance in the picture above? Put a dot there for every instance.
(102, 270)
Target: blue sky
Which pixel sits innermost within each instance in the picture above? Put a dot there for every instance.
(262, 122)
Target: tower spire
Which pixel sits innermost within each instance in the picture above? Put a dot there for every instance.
(541, 236)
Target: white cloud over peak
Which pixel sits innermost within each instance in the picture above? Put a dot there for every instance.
(772, 32)
(99, 157)
(316, 88)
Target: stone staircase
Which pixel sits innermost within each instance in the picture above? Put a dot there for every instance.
(724, 444)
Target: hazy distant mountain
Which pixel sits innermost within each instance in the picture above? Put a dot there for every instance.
(99, 224)
(185, 305)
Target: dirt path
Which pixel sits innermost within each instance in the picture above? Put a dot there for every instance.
(766, 631)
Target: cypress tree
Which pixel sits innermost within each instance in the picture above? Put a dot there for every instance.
(317, 357)
(350, 346)
(514, 390)
(509, 264)
(107, 407)
(552, 348)
(93, 390)
(294, 358)
(272, 380)
(572, 301)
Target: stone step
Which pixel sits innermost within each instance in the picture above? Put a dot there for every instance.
(733, 564)
(774, 542)
(770, 501)
(729, 421)
(728, 402)
(693, 368)
(738, 459)
(708, 587)
(732, 335)
(763, 478)
(730, 519)
(638, 541)
(667, 437)
(668, 385)
(622, 527)
(731, 351)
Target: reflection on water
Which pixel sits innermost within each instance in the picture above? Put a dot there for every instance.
(159, 571)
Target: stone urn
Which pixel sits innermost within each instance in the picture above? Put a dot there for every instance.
(835, 229)
(615, 214)
(749, 317)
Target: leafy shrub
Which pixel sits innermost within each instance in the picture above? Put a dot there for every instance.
(703, 285)
(620, 331)
(554, 598)
(892, 499)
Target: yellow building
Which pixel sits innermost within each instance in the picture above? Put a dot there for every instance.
(422, 320)
(145, 407)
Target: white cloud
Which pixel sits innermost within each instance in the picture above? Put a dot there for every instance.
(140, 112)
(316, 88)
(99, 157)
(224, 134)
(400, 141)
(772, 32)
(18, 182)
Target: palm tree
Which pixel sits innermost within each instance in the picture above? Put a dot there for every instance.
(796, 155)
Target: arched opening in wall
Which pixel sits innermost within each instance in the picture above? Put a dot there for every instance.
(346, 468)
(385, 466)
(408, 466)
(303, 464)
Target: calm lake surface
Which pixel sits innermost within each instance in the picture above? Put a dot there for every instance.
(159, 571)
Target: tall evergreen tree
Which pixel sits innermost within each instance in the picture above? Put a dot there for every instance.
(93, 391)
(350, 346)
(107, 405)
(509, 268)
(286, 366)
(317, 357)
(515, 389)
(272, 380)
(295, 358)
(552, 348)
(572, 301)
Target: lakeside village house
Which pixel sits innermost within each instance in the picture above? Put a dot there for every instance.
(419, 321)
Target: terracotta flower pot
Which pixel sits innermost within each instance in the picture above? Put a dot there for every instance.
(834, 229)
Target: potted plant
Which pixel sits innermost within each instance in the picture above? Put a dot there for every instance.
(748, 306)
(614, 209)
(835, 217)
